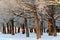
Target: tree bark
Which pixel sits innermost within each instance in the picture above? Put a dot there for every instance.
(7, 27)
(41, 24)
(12, 27)
(38, 34)
(27, 30)
(4, 29)
(51, 21)
(54, 25)
(41, 27)
(35, 30)
(55, 33)
(50, 27)
(18, 29)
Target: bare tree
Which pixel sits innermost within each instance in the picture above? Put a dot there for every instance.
(51, 20)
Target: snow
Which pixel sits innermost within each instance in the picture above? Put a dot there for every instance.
(20, 36)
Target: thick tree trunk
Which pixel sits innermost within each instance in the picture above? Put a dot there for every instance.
(38, 34)
(54, 25)
(51, 21)
(27, 30)
(10, 27)
(50, 27)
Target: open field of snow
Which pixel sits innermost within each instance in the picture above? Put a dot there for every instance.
(20, 36)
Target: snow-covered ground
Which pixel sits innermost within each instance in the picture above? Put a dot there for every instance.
(20, 36)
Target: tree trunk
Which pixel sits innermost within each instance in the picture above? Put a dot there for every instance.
(27, 30)
(7, 28)
(54, 25)
(41, 24)
(41, 30)
(12, 31)
(12, 27)
(18, 29)
(51, 20)
(31, 30)
(4, 29)
(35, 30)
(55, 33)
(41, 27)
(38, 34)
(50, 27)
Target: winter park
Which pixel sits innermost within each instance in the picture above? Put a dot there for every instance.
(29, 19)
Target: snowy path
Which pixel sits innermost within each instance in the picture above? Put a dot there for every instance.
(20, 36)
